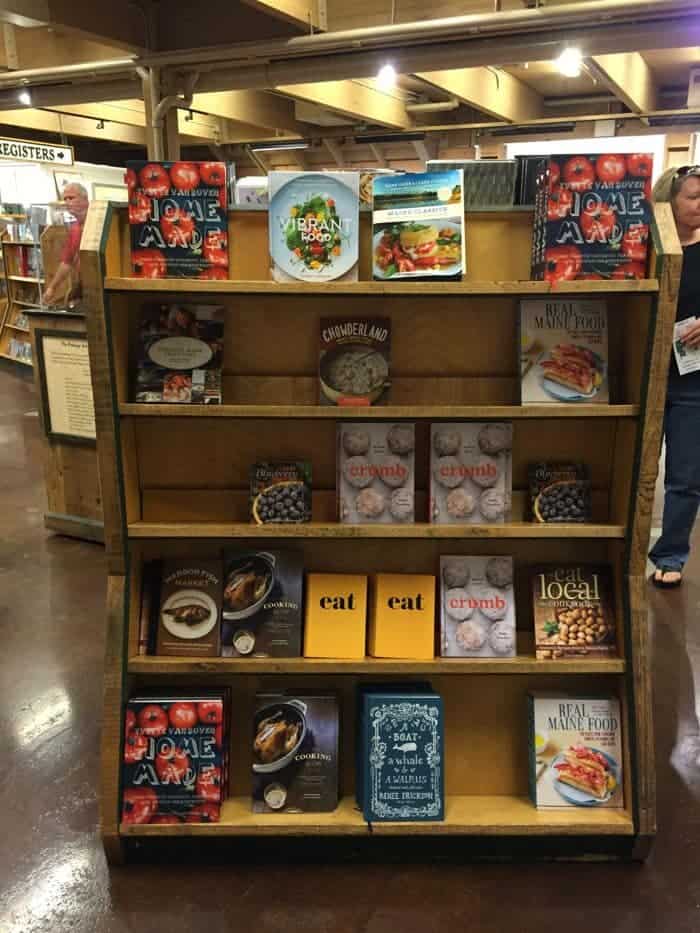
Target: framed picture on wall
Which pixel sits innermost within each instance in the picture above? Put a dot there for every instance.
(68, 408)
(111, 193)
(62, 179)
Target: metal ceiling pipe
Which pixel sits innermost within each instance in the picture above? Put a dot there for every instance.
(433, 106)
(580, 100)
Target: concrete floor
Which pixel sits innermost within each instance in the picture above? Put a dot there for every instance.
(53, 875)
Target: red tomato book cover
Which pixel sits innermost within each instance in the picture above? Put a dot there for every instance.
(175, 759)
(592, 217)
(177, 219)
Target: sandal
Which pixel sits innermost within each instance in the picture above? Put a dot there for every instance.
(662, 584)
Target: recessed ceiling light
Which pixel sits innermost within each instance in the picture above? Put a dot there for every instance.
(570, 62)
(24, 97)
(386, 77)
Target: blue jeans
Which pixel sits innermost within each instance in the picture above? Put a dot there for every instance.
(682, 481)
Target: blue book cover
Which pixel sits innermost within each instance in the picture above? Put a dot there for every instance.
(402, 745)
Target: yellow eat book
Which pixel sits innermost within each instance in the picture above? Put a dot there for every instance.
(335, 615)
(402, 616)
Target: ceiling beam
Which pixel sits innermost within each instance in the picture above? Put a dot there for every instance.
(379, 156)
(50, 122)
(120, 24)
(133, 113)
(335, 151)
(353, 99)
(629, 78)
(421, 150)
(490, 90)
(62, 95)
(254, 107)
(306, 13)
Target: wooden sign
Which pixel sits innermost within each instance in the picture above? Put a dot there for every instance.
(64, 370)
(24, 150)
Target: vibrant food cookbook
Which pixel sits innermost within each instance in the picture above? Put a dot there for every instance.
(354, 358)
(178, 219)
(418, 226)
(313, 225)
(477, 607)
(575, 751)
(180, 354)
(563, 351)
(592, 217)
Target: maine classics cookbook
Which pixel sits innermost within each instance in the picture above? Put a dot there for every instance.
(314, 222)
(177, 219)
(418, 225)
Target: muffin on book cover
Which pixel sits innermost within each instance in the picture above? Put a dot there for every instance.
(189, 622)
(354, 356)
(180, 354)
(376, 473)
(295, 753)
(574, 611)
(178, 220)
(262, 604)
(175, 759)
(592, 216)
(563, 351)
(470, 472)
(477, 607)
(314, 220)
(400, 754)
(575, 750)
(418, 225)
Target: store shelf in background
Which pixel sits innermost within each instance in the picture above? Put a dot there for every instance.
(487, 816)
(23, 330)
(25, 278)
(523, 664)
(26, 304)
(432, 288)
(335, 530)
(379, 412)
(15, 359)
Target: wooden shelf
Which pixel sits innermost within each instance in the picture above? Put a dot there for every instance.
(26, 304)
(523, 664)
(25, 278)
(482, 815)
(379, 412)
(15, 359)
(335, 530)
(19, 243)
(432, 288)
(23, 330)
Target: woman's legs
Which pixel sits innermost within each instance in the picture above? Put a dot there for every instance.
(682, 483)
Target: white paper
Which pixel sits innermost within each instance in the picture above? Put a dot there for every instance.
(687, 358)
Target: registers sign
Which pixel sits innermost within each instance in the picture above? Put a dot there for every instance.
(24, 150)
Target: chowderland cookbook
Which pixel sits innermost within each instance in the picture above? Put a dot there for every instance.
(592, 217)
(177, 219)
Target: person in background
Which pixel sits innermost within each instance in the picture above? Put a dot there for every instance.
(75, 197)
(681, 188)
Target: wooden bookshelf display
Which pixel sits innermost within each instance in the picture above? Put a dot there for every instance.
(175, 481)
(27, 267)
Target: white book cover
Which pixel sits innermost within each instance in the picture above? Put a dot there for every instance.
(477, 607)
(575, 751)
(470, 472)
(313, 221)
(563, 351)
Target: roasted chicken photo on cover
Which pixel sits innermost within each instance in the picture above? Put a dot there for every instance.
(190, 615)
(275, 737)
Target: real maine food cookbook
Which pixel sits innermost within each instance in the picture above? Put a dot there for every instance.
(313, 226)
(563, 351)
(177, 219)
(592, 216)
(418, 225)
(575, 750)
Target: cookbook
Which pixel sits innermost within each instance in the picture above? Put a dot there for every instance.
(563, 351)
(592, 217)
(575, 750)
(418, 226)
(353, 362)
(477, 607)
(177, 219)
(314, 226)
(376, 473)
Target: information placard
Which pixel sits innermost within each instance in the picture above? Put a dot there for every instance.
(64, 368)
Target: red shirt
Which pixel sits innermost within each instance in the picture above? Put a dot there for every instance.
(70, 253)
